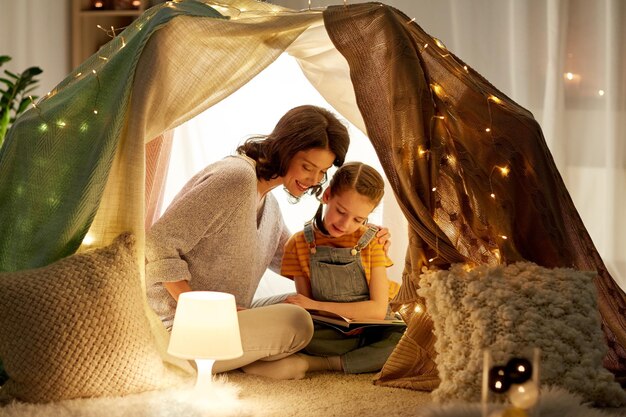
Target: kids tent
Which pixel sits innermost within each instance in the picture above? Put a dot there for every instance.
(469, 168)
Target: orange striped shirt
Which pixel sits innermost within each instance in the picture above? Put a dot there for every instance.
(296, 259)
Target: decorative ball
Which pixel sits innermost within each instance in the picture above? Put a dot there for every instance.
(524, 395)
(498, 379)
(519, 370)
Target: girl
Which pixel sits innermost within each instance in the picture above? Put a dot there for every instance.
(338, 266)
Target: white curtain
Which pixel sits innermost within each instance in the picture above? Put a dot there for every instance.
(36, 33)
(565, 61)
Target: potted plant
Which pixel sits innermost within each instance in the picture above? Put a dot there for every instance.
(14, 94)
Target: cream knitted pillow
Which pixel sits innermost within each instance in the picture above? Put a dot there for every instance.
(77, 328)
(510, 309)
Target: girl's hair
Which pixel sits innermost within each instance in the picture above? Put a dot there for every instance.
(300, 129)
(359, 177)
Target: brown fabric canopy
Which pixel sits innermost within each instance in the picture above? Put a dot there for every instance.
(470, 169)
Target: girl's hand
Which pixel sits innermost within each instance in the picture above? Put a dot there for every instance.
(302, 301)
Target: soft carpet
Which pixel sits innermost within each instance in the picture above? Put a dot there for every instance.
(321, 395)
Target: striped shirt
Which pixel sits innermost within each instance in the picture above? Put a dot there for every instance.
(296, 259)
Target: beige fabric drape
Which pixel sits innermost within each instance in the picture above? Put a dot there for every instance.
(445, 138)
(187, 66)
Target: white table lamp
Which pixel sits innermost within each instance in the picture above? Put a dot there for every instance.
(205, 329)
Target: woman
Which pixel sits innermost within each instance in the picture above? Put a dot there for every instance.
(224, 229)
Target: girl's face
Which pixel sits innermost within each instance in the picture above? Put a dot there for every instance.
(307, 169)
(345, 211)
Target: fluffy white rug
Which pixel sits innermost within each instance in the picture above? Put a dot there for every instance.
(320, 395)
(554, 402)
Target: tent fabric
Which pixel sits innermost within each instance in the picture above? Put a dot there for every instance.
(443, 135)
(69, 173)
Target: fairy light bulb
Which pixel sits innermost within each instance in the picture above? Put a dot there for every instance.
(495, 99)
(504, 170)
(601, 93)
(488, 130)
(439, 43)
(569, 76)
(419, 309)
(88, 239)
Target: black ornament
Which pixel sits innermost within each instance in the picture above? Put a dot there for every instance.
(519, 370)
(499, 381)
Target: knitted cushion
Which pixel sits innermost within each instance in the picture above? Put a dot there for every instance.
(510, 309)
(77, 328)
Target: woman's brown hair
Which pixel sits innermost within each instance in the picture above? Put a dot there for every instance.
(300, 129)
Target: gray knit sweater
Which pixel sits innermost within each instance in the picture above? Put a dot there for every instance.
(210, 236)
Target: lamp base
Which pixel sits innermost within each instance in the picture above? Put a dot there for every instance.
(204, 380)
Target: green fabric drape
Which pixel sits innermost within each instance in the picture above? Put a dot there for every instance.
(57, 156)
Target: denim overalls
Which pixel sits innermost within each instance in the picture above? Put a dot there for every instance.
(337, 275)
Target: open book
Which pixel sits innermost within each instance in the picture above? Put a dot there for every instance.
(345, 324)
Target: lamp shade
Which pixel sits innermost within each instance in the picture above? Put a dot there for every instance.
(205, 327)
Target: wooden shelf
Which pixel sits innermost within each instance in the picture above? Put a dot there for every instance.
(109, 13)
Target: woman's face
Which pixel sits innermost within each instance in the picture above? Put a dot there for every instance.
(307, 169)
(345, 211)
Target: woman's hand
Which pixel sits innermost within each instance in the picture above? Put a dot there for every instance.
(302, 301)
(384, 238)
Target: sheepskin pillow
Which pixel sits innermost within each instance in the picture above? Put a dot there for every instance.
(509, 309)
(78, 328)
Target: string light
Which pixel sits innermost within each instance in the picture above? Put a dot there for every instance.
(488, 130)
(600, 93)
(95, 105)
(439, 43)
(410, 21)
(504, 171)
(437, 88)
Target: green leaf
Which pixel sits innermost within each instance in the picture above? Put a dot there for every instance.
(12, 75)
